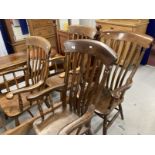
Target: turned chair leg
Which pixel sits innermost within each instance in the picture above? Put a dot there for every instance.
(121, 112)
(89, 132)
(17, 121)
(3, 123)
(105, 125)
(6, 117)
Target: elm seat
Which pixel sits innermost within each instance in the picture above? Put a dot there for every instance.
(54, 80)
(11, 107)
(55, 122)
(57, 80)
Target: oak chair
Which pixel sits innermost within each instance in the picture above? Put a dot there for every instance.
(74, 32)
(13, 101)
(130, 48)
(86, 79)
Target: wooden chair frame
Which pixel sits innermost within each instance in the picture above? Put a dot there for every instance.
(35, 72)
(83, 88)
(130, 48)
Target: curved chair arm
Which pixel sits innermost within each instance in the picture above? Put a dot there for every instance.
(22, 90)
(79, 123)
(57, 57)
(44, 92)
(118, 91)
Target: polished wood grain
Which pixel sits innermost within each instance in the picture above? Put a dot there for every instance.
(35, 72)
(12, 60)
(128, 25)
(130, 48)
(87, 79)
(37, 27)
(45, 28)
(74, 32)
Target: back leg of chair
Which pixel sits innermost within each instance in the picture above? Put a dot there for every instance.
(121, 112)
(17, 121)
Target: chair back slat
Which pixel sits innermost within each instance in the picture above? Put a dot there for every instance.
(38, 50)
(129, 47)
(81, 32)
(87, 74)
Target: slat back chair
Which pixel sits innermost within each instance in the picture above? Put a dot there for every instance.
(130, 48)
(81, 32)
(74, 32)
(91, 64)
(36, 71)
(86, 78)
(37, 58)
(11, 79)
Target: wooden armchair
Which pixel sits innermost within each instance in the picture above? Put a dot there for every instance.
(13, 101)
(74, 32)
(130, 48)
(86, 84)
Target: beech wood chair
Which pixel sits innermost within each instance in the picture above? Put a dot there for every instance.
(86, 78)
(130, 48)
(74, 32)
(13, 101)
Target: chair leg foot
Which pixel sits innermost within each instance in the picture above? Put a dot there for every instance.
(121, 112)
(89, 132)
(6, 117)
(105, 125)
(17, 121)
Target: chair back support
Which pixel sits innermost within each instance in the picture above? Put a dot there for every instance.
(130, 48)
(81, 32)
(86, 71)
(38, 50)
(11, 78)
(74, 32)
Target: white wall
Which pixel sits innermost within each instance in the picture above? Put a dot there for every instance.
(3, 50)
(88, 22)
(75, 21)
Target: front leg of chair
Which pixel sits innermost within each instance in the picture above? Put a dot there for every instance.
(105, 125)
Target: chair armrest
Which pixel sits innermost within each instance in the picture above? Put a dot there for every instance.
(83, 120)
(44, 92)
(118, 91)
(57, 57)
(22, 90)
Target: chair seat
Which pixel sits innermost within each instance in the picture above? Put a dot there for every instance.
(102, 107)
(54, 81)
(11, 107)
(54, 122)
(58, 80)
